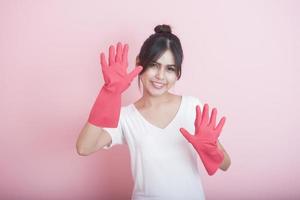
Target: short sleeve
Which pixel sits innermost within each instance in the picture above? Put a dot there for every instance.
(116, 134)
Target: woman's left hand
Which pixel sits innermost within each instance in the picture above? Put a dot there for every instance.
(205, 139)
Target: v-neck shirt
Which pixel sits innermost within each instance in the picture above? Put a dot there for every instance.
(164, 165)
(173, 120)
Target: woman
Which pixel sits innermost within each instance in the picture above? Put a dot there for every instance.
(168, 135)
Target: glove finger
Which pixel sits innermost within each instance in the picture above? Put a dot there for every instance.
(197, 119)
(134, 73)
(125, 55)
(103, 60)
(111, 55)
(204, 119)
(186, 134)
(103, 66)
(213, 117)
(220, 126)
(119, 52)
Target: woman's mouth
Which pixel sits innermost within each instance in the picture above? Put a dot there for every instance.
(157, 85)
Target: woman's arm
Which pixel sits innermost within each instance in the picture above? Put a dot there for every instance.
(226, 162)
(91, 139)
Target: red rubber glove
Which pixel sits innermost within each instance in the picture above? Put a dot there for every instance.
(106, 109)
(205, 139)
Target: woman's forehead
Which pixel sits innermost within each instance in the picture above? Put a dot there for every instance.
(167, 58)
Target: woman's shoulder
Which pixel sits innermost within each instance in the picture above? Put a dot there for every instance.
(192, 100)
(126, 110)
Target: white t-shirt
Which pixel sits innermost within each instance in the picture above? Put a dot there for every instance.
(164, 164)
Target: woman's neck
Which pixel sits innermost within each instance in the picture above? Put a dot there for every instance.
(149, 101)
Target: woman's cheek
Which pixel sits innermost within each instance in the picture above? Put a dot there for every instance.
(172, 78)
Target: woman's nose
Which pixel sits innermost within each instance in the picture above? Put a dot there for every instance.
(160, 74)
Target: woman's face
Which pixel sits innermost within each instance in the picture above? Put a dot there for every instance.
(160, 76)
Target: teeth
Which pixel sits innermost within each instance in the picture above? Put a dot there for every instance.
(157, 85)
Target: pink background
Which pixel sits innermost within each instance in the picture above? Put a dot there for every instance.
(240, 56)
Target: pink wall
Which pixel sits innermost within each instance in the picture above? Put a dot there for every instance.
(240, 56)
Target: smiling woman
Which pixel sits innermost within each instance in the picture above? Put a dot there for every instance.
(168, 135)
(157, 44)
(159, 74)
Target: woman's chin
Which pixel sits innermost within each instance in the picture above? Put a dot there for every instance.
(157, 92)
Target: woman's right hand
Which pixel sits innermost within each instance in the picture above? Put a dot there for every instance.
(115, 72)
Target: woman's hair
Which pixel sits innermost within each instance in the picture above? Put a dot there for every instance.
(156, 44)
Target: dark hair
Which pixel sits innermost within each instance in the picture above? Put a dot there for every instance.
(156, 44)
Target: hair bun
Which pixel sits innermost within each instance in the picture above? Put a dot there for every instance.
(162, 29)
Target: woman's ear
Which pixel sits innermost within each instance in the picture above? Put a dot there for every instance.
(137, 60)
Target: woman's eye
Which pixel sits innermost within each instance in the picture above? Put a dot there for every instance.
(171, 69)
(152, 64)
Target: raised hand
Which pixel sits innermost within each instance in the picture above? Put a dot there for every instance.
(115, 72)
(205, 138)
(106, 109)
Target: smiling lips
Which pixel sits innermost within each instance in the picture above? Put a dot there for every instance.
(157, 85)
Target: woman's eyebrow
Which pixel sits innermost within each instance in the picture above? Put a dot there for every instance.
(167, 65)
